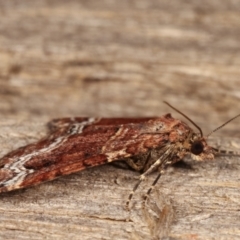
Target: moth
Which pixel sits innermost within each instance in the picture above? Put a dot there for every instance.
(73, 144)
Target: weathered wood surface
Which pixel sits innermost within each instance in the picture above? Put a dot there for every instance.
(121, 58)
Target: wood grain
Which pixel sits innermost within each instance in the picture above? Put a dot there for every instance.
(121, 58)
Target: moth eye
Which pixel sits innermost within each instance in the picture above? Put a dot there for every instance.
(197, 148)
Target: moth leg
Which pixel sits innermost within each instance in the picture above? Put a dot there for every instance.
(139, 162)
(133, 164)
(160, 162)
(222, 152)
(161, 172)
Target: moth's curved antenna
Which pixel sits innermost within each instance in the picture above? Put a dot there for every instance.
(222, 125)
(200, 130)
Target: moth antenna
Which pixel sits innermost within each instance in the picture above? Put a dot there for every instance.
(222, 125)
(200, 130)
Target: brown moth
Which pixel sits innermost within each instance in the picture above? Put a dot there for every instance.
(73, 144)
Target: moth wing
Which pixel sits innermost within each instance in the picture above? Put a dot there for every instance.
(65, 125)
(87, 146)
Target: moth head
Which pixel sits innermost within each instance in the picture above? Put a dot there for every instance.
(197, 145)
(200, 150)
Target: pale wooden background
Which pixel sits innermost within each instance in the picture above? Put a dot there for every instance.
(121, 58)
